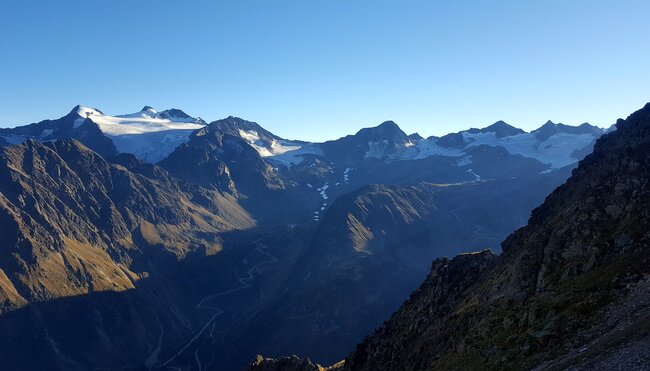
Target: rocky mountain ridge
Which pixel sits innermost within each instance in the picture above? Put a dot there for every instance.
(66, 209)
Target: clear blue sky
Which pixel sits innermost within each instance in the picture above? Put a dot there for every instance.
(317, 69)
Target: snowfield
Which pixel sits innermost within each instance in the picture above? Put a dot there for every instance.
(144, 134)
(282, 152)
(555, 151)
(423, 148)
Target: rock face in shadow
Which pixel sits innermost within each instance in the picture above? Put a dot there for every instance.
(370, 250)
(217, 156)
(70, 126)
(569, 289)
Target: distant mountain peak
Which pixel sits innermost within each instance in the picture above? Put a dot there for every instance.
(148, 109)
(390, 127)
(387, 130)
(86, 112)
(550, 128)
(75, 109)
(389, 123)
(176, 113)
(502, 129)
(233, 125)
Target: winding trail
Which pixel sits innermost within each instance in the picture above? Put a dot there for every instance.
(244, 283)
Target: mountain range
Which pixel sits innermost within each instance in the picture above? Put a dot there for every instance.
(569, 291)
(157, 240)
(245, 160)
(152, 136)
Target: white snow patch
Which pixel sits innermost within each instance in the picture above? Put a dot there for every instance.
(423, 148)
(283, 152)
(377, 149)
(346, 175)
(322, 190)
(250, 136)
(476, 176)
(555, 151)
(464, 161)
(46, 133)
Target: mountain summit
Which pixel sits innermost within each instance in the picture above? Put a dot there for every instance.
(502, 129)
(550, 128)
(386, 131)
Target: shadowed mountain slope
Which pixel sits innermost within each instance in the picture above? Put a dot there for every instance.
(564, 288)
(569, 290)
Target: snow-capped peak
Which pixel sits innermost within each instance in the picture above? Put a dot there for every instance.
(145, 134)
(86, 112)
(148, 109)
(284, 152)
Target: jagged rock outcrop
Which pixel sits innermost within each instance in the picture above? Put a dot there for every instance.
(292, 363)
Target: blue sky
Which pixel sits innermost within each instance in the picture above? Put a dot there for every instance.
(319, 69)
